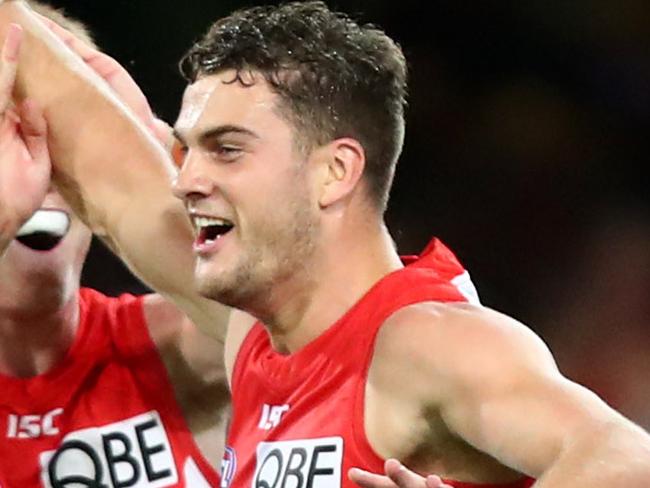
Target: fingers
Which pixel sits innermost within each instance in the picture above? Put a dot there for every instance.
(104, 65)
(85, 51)
(366, 479)
(108, 69)
(403, 477)
(163, 132)
(435, 482)
(397, 476)
(9, 64)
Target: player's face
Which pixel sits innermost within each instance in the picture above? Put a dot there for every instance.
(48, 252)
(247, 188)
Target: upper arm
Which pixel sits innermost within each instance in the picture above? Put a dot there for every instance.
(181, 344)
(494, 383)
(240, 325)
(176, 337)
(195, 368)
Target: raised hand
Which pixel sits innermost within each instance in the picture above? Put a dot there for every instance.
(396, 475)
(117, 78)
(24, 159)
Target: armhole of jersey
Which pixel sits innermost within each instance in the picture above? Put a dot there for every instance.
(423, 294)
(361, 441)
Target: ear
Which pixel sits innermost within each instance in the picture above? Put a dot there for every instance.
(344, 162)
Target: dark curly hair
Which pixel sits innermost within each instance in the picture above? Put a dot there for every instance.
(335, 78)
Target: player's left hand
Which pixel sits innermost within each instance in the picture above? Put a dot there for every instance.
(396, 475)
(117, 78)
(24, 158)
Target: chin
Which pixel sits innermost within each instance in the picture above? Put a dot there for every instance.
(233, 293)
(210, 284)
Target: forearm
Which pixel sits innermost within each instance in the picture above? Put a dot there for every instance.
(93, 137)
(108, 166)
(617, 455)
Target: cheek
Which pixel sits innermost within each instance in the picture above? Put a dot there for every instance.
(272, 202)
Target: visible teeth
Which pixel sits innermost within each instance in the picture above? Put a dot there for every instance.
(200, 222)
(50, 221)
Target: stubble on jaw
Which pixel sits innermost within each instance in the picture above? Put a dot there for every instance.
(280, 252)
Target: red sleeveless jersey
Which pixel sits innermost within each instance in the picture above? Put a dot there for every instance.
(106, 416)
(298, 419)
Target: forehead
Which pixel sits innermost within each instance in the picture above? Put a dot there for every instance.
(220, 99)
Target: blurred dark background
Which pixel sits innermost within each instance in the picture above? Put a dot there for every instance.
(526, 139)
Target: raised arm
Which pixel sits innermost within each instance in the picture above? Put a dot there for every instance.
(110, 168)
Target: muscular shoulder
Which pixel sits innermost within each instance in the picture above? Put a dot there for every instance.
(446, 346)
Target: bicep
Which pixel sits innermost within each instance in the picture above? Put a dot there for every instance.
(513, 403)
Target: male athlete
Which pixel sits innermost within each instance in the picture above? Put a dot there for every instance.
(290, 129)
(96, 391)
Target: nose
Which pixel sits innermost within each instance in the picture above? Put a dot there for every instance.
(192, 181)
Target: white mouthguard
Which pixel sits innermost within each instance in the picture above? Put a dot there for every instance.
(49, 221)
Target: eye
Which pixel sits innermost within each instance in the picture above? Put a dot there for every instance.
(227, 152)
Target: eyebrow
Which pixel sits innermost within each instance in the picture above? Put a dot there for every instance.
(214, 132)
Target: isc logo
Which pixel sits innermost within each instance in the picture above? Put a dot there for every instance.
(33, 426)
(300, 463)
(131, 453)
(272, 415)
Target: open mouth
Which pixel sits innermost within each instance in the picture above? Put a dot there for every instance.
(208, 230)
(45, 230)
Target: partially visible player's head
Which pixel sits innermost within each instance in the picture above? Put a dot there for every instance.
(47, 256)
(272, 91)
(335, 78)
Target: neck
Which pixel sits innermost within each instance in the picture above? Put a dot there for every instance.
(37, 332)
(341, 272)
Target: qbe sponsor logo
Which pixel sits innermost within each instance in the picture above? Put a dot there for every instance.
(132, 453)
(300, 463)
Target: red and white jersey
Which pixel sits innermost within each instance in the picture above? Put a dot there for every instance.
(298, 420)
(106, 416)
